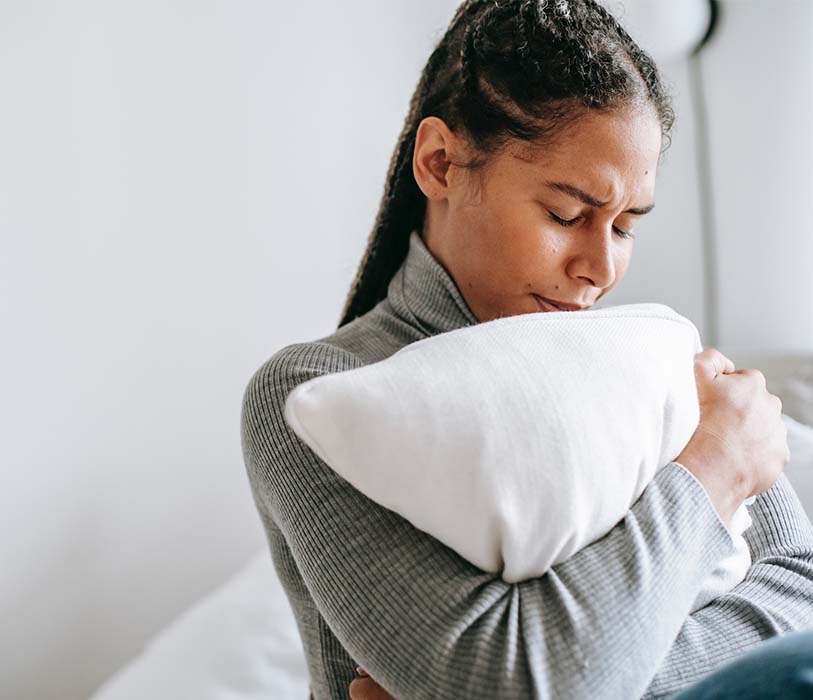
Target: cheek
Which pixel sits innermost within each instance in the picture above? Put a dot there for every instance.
(622, 261)
(518, 243)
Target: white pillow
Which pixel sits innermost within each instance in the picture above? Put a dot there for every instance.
(518, 441)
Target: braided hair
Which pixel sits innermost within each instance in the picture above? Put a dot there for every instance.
(505, 69)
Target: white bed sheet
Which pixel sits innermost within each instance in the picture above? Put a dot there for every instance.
(238, 643)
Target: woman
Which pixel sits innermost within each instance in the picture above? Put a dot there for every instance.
(528, 156)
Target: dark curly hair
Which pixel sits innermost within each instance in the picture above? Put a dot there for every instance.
(505, 69)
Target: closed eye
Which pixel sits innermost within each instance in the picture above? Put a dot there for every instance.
(572, 222)
(564, 222)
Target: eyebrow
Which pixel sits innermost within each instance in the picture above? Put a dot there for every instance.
(592, 201)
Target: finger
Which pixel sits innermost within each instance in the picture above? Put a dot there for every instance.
(367, 689)
(711, 362)
(356, 689)
(361, 672)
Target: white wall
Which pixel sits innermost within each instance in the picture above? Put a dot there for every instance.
(759, 74)
(185, 187)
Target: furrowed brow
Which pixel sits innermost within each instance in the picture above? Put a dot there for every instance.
(588, 199)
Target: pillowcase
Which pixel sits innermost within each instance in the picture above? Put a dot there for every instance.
(517, 441)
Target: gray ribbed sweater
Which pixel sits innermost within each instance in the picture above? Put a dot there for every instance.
(368, 588)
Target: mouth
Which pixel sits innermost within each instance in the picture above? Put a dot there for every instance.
(547, 305)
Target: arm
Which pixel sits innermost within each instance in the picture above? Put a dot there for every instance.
(426, 623)
(776, 595)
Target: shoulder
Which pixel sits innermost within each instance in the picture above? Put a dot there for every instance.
(272, 452)
(271, 383)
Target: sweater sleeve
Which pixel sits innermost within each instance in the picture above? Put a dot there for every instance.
(426, 623)
(775, 597)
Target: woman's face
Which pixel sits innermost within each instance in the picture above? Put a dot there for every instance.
(549, 223)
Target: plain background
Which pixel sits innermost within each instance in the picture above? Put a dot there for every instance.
(186, 187)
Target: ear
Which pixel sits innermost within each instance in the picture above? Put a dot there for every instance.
(436, 149)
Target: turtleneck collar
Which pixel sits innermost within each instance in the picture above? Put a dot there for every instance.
(424, 294)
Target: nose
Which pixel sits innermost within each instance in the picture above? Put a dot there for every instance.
(593, 261)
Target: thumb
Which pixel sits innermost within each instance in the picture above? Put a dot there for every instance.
(712, 363)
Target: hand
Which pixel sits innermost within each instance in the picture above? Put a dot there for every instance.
(740, 446)
(365, 688)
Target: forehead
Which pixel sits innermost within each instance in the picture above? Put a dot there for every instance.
(609, 154)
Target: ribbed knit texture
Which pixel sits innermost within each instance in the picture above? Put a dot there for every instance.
(367, 588)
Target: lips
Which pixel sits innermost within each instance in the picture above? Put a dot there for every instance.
(549, 305)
